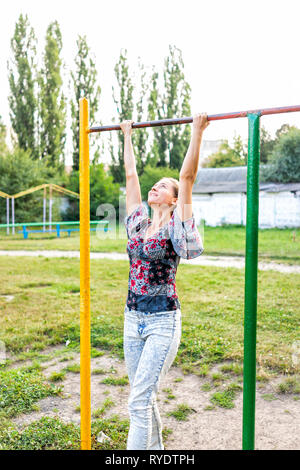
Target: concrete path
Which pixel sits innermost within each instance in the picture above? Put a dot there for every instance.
(220, 261)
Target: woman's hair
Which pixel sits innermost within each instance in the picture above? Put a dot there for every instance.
(175, 185)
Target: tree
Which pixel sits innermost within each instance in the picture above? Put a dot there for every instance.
(102, 191)
(170, 143)
(22, 77)
(227, 155)
(186, 111)
(240, 150)
(153, 156)
(18, 172)
(176, 103)
(140, 138)
(266, 145)
(284, 162)
(284, 129)
(84, 80)
(3, 146)
(156, 111)
(125, 106)
(52, 101)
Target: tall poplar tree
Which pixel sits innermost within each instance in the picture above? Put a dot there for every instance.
(52, 101)
(125, 106)
(84, 80)
(3, 146)
(185, 129)
(176, 103)
(140, 138)
(153, 157)
(170, 143)
(22, 78)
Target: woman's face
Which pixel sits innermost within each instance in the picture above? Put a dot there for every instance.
(161, 192)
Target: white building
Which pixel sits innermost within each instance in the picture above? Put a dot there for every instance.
(219, 196)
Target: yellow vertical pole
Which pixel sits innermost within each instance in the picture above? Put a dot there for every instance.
(85, 326)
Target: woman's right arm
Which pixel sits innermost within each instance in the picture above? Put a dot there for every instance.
(133, 191)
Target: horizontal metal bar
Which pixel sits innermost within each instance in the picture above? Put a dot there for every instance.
(187, 120)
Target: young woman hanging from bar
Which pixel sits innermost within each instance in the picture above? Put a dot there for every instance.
(152, 314)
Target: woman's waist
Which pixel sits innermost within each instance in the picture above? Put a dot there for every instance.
(147, 313)
(158, 302)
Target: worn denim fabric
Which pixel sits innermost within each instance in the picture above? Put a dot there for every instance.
(151, 341)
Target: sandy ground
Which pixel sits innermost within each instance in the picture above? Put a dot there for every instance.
(277, 421)
(221, 261)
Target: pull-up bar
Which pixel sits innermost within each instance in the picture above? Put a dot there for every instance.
(187, 120)
(251, 260)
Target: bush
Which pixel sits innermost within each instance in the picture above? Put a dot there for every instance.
(102, 191)
(284, 162)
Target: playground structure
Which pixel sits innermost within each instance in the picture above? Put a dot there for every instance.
(52, 187)
(251, 260)
(59, 226)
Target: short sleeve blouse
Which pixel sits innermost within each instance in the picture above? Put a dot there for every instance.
(135, 221)
(184, 236)
(154, 261)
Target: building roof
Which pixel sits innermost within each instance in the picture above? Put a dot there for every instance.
(233, 180)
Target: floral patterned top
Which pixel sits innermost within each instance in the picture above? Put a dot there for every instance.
(153, 263)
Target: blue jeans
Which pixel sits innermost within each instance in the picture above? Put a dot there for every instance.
(151, 342)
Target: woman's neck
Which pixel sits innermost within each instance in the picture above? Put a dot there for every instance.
(160, 218)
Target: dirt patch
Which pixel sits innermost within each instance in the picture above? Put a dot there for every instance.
(277, 416)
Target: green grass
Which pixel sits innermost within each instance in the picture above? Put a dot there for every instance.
(212, 301)
(115, 380)
(57, 376)
(274, 244)
(206, 387)
(65, 359)
(181, 412)
(269, 396)
(75, 368)
(107, 404)
(209, 407)
(52, 434)
(21, 388)
(290, 385)
(232, 369)
(217, 378)
(96, 353)
(98, 371)
(225, 399)
(45, 312)
(170, 395)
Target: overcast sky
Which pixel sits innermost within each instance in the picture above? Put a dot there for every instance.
(238, 54)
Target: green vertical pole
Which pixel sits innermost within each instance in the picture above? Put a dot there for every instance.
(251, 261)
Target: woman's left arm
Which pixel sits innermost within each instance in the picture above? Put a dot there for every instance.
(189, 169)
